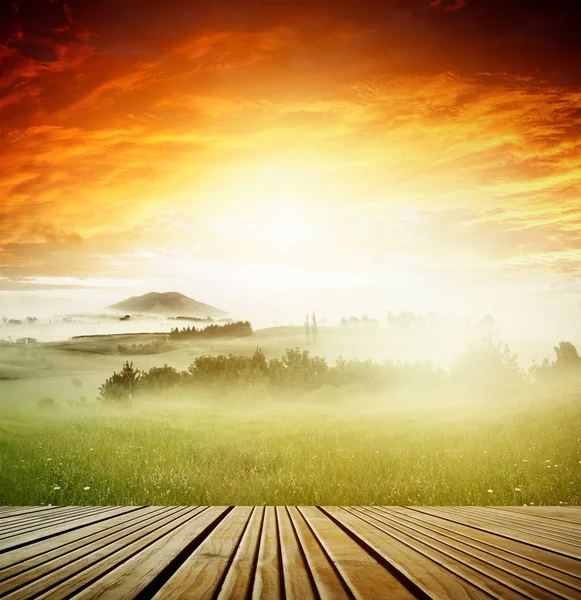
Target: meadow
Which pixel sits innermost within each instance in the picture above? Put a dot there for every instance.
(251, 441)
(318, 450)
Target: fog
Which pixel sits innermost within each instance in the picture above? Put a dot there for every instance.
(157, 420)
(381, 342)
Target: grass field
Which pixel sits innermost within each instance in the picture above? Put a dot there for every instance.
(315, 451)
(326, 448)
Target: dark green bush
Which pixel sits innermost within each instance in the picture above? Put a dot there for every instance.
(120, 386)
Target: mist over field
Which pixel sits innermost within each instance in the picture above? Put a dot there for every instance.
(418, 409)
(530, 333)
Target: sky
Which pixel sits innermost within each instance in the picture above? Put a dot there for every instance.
(345, 156)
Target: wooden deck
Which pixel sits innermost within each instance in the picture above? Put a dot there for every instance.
(199, 552)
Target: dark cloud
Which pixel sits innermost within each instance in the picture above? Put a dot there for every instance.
(448, 5)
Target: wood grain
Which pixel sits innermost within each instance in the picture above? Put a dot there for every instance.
(290, 553)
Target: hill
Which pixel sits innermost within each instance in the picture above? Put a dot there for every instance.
(169, 303)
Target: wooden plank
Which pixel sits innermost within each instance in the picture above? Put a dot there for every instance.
(493, 512)
(62, 517)
(327, 581)
(17, 507)
(569, 531)
(557, 531)
(420, 565)
(296, 553)
(267, 580)
(134, 571)
(297, 579)
(515, 526)
(357, 570)
(519, 577)
(26, 573)
(21, 520)
(200, 575)
(506, 532)
(575, 508)
(561, 568)
(73, 576)
(18, 529)
(544, 512)
(24, 510)
(485, 576)
(23, 559)
(238, 581)
(34, 536)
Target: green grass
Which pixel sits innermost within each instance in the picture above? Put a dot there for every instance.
(260, 452)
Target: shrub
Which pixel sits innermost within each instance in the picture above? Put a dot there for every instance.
(153, 347)
(47, 402)
(487, 364)
(227, 369)
(119, 387)
(158, 378)
(347, 372)
(82, 402)
(565, 369)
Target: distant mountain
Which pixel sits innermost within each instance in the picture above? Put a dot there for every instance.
(170, 303)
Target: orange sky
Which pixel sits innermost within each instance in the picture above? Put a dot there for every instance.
(422, 147)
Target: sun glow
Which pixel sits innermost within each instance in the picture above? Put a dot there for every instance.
(284, 225)
(275, 205)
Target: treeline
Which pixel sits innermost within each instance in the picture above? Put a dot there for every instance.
(363, 321)
(236, 329)
(486, 366)
(295, 370)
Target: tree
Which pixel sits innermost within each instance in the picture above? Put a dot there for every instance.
(314, 328)
(567, 365)
(567, 356)
(307, 330)
(487, 364)
(120, 386)
(487, 326)
(160, 378)
(258, 361)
